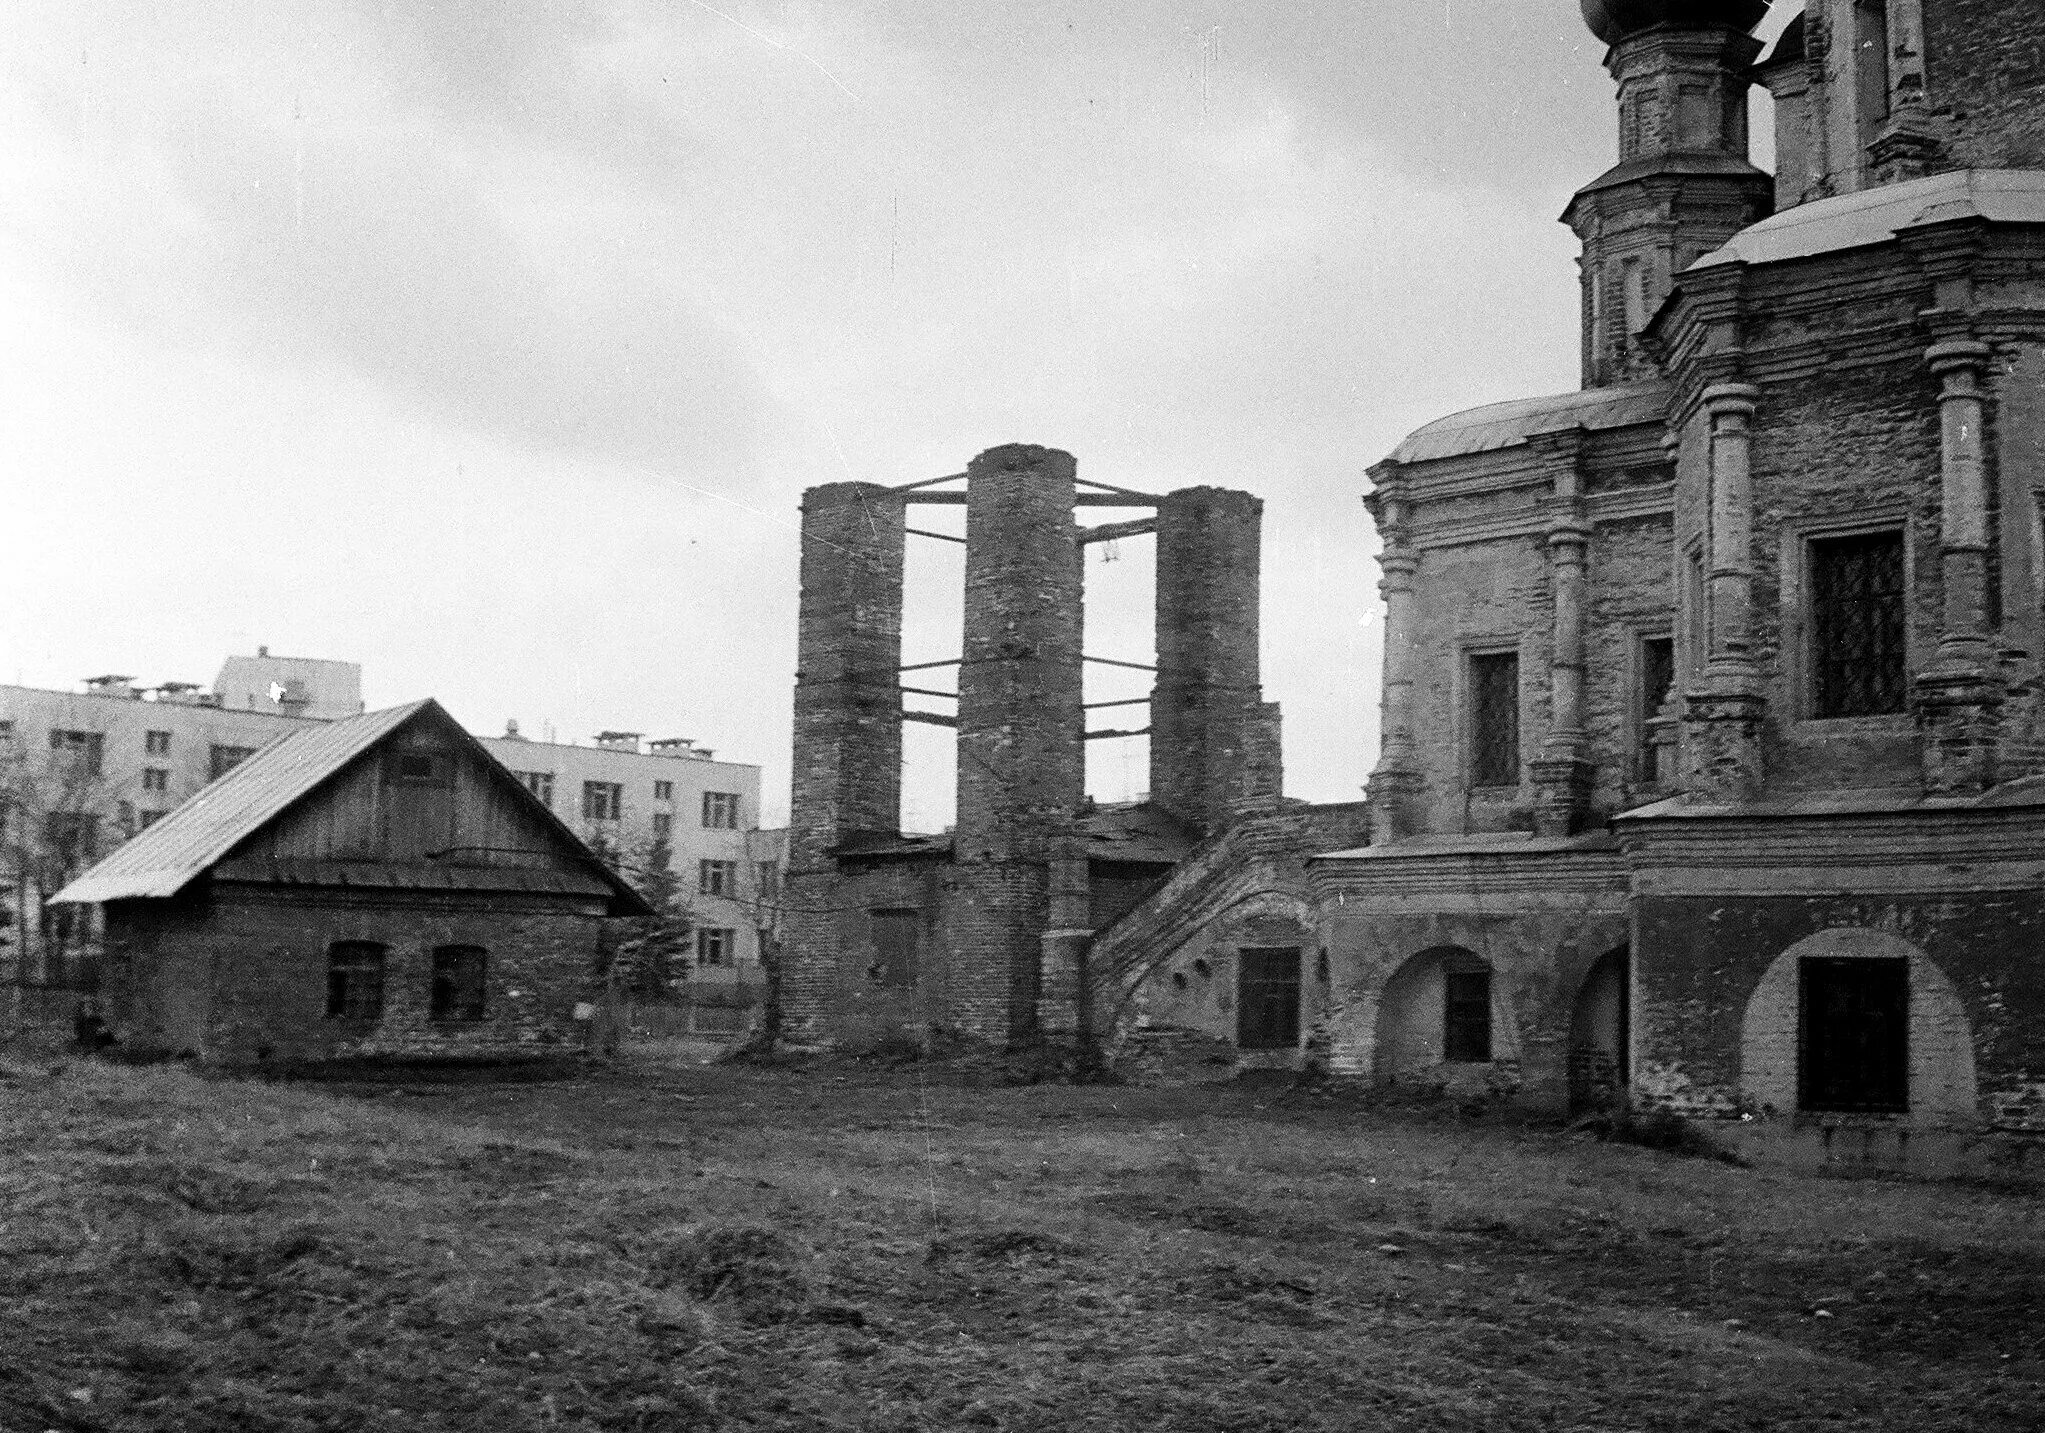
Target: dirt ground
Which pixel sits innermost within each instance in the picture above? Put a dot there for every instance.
(667, 1245)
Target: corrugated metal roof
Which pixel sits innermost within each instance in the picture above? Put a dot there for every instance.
(164, 859)
(1504, 425)
(1875, 216)
(167, 857)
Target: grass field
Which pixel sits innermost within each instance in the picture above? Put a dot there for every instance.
(848, 1247)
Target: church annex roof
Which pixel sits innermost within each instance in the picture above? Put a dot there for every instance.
(1505, 425)
(1878, 215)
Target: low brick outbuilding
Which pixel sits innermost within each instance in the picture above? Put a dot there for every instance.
(379, 886)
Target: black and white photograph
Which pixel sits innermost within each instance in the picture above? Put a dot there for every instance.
(1180, 716)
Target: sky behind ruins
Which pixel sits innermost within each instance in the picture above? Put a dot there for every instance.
(491, 344)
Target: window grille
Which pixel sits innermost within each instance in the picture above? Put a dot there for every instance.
(458, 982)
(663, 791)
(1657, 679)
(1495, 719)
(1857, 625)
(355, 980)
(1854, 1046)
(1267, 998)
(1466, 1016)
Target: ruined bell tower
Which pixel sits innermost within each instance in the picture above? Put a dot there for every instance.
(982, 934)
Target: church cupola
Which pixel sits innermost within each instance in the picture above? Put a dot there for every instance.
(1683, 184)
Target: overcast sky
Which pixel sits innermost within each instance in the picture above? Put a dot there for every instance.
(492, 344)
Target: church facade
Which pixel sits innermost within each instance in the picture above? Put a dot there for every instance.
(1712, 769)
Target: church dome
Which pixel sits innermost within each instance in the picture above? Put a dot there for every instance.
(1615, 20)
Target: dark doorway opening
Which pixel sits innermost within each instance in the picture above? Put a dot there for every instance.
(1600, 1033)
(1854, 1035)
(1466, 1016)
(1267, 998)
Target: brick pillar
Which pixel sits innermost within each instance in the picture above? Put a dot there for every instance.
(1958, 700)
(1021, 733)
(1561, 774)
(1723, 715)
(1394, 785)
(1064, 999)
(1205, 752)
(848, 724)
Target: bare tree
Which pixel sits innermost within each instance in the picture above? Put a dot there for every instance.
(54, 810)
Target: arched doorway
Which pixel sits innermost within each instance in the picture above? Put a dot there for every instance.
(1600, 1034)
(1435, 1010)
(1859, 1021)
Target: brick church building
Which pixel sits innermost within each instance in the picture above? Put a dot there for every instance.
(1712, 761)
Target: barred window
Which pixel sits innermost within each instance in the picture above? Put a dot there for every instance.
(458, 972)
(1267, 998)
(355, 980)
(663, 791)
(1854, 1041)
(1857, 625)
(1495, 719)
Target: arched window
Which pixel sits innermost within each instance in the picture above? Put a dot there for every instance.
(355, 980)
(458, 972)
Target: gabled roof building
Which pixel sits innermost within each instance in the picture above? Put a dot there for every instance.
(373, 886)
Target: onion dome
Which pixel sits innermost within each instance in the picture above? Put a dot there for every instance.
(1616, 20)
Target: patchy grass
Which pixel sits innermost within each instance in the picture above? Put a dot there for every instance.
(862, 1248)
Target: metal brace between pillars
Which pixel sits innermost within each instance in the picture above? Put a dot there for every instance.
(1097, 735)
(930, 718)
(1109, 531)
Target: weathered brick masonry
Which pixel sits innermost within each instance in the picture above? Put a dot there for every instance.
(1002, 909)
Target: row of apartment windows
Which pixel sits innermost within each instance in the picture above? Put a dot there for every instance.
(88, 748)
(1858, 665)
(605, 801)
(720, 878)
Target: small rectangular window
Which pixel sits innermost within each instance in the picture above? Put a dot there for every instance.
(540, 783)
(1466, 1016)
(663, 826)
(897, 941)
(156, 743)
(355, 980)
(1267, 998)
(223, 759)
(716, 945)
(1858, 663)
(717, 878)
(603, 801)
(1854, 1036)
(419, 766)
(458, 981)
(720, 810)
(1657, 681)
(1494, 705)
(663, 791)
(155, 778)
(85, 747)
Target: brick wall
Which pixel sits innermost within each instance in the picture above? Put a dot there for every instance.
(1704, 957)
(1985, 70)
(242, 975)
(1207, 706)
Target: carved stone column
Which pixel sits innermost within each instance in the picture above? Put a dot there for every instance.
(1395, 783)
(1723, 713)
(1959, 698)
(1562, 777)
